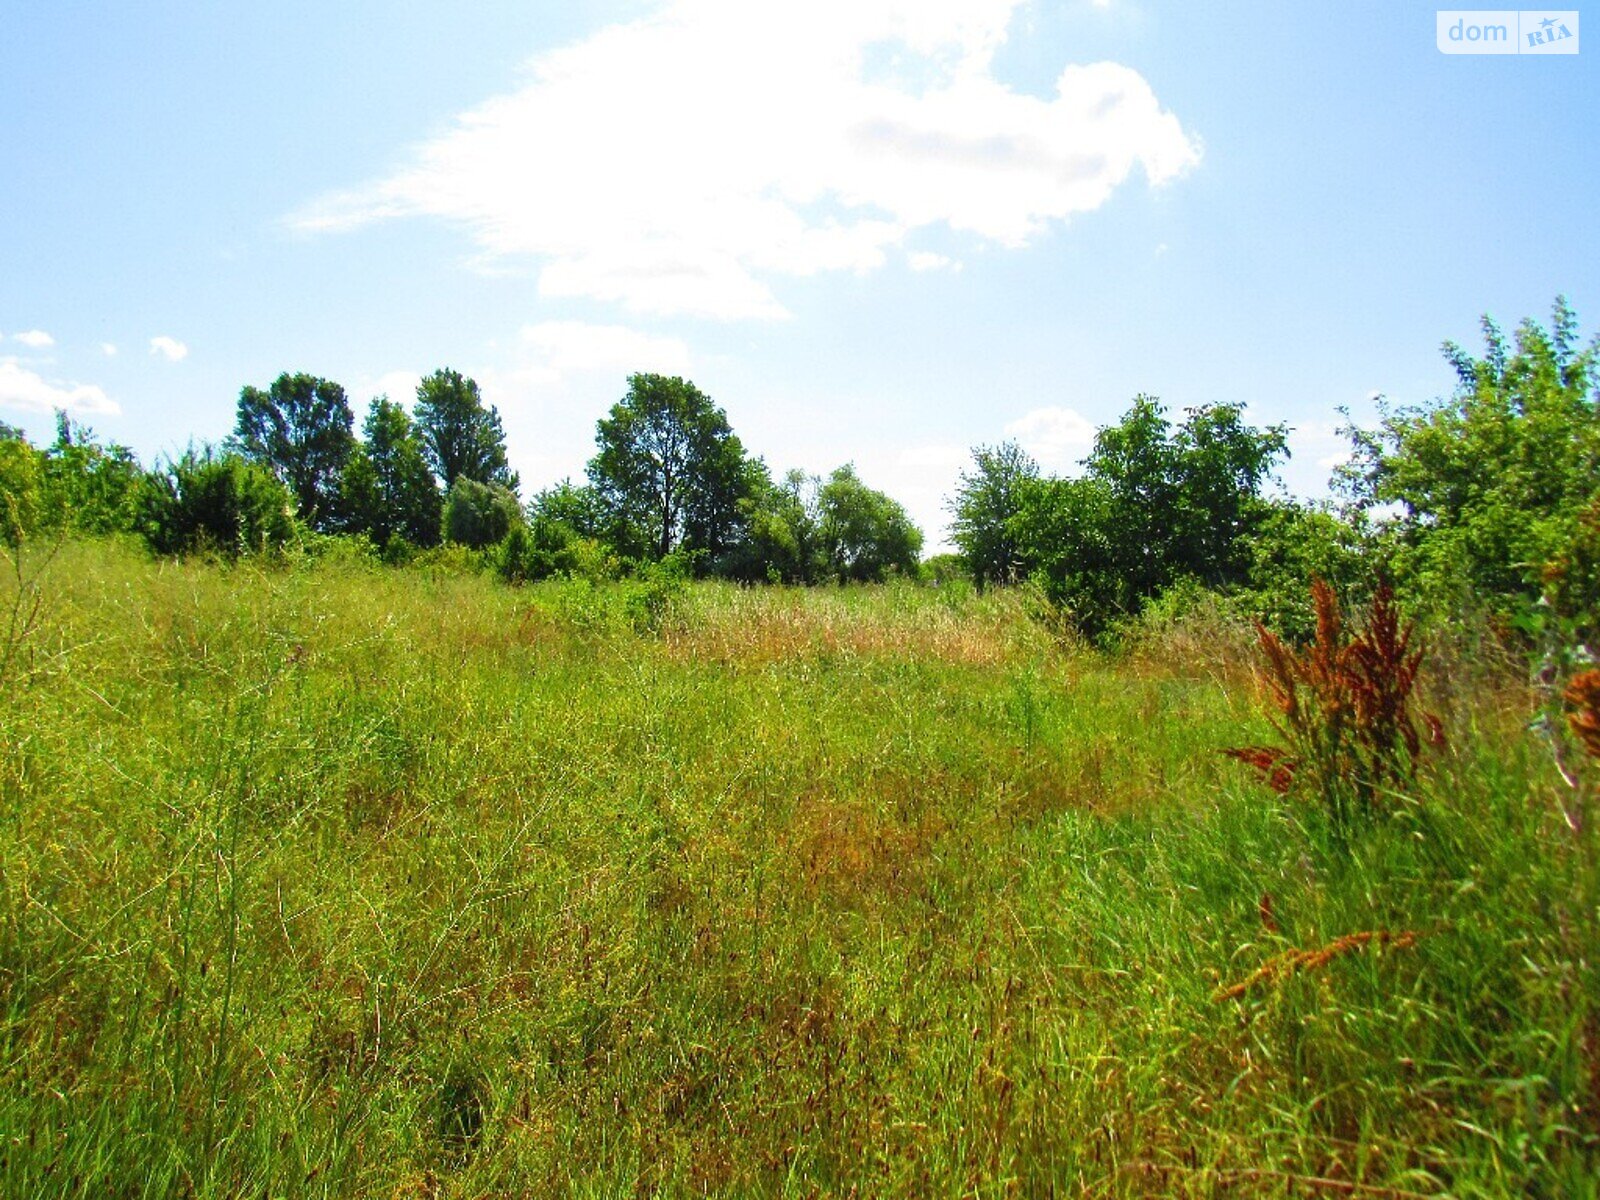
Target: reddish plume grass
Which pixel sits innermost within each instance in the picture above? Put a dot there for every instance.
(1583, 693)
(1284, 965)
(1343, 706)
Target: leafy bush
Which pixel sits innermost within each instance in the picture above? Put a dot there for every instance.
(217, 503)
(1155, 504)
(89, 487)
(1490, 484)
(545, 548)
(20, 486)
(479, 514)
(658, 588)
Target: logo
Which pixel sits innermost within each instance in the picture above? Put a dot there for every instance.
(1506, 31)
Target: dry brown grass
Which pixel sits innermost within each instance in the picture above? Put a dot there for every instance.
(758, 628)
(850, 850)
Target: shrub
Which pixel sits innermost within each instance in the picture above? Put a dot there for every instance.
(546, 548)
(658, 588)
(479, 514)
(217, 503)
(20, 482)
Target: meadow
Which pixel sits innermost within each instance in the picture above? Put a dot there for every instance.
(333, 879)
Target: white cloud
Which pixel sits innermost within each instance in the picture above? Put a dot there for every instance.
(935, 458)
(23, 389)
(562, 349)
(1057, 437)
(109, 350)
(35, 339)
(168, 348)
(679, 163)
(399, 386)
(926, 260)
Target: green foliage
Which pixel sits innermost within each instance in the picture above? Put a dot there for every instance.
(1571, 582)
(580, 509)
(75, 484)
(1154, 505)
(650, 598)
(669, 471)
(478, 515)
(461, 438)
(300, 430)
(1490, 484)
(388, 490)
(206, 502)
(21, 486)
(544, 549)
(943, 569)
(782, 541)
(1291, 545)
(89, 487)
(865, 536)
(987, 502)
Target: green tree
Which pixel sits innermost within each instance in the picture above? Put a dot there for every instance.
(670, 471)
(90, 487)
(389, 490)
(987, 500)
(1293, 544)
(865, 535)
(1153, 506)
(578, 508)
(461, 438)
(1490, 484)
(301, 430)
(781, 541)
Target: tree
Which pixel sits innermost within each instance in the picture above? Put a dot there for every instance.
(93, 488)
(388, 489)
(987, 500)
(20, 488)
(780, 541)
(300, 430)
(865, 534)
(670, 471)
(1153, 506)
(1492, 483)
(461, 439)
(580, 509)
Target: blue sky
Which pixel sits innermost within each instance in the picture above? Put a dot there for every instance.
(877, 231)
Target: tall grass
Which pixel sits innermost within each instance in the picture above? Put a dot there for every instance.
(340, 880)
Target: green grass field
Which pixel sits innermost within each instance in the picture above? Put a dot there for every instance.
(335, 880)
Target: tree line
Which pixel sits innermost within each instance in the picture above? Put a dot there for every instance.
(669, 480)
(1487, 499)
